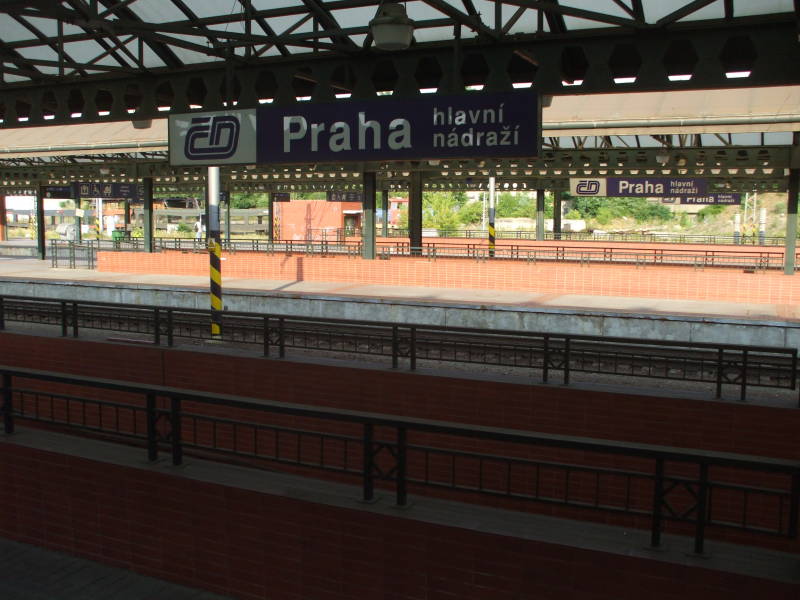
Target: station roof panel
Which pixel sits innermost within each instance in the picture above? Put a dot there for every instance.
(658, 117)
(42, 40)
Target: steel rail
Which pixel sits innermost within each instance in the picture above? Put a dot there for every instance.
(742, 366)
(84, 253)
(647, 480)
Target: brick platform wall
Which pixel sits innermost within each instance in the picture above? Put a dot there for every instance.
(255, 546)
(716, 426)
(701, 425)
(678, 283)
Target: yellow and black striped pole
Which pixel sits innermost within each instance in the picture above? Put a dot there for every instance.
(214, 253)
(491, 217)
(215, 287)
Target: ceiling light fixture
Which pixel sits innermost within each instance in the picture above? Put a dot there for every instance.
(391, 28)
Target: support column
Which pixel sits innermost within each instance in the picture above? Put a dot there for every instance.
(415, 212)
(147, 213)
(40, 224)
(490, 224)
(368, 216)
(228, 218)
(99, 205)
(540, 215)
(556, 214)
(271, 224)
(206, 207)
(762, 226)
(78, 213)
(3, 219)
(791, 219)
(126, 218)
(214, 252)
(385, 208)
(737, 229)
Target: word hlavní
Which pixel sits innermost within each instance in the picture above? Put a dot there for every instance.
(474, 136)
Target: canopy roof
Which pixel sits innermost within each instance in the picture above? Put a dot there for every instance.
(49, 39)
(757, 116)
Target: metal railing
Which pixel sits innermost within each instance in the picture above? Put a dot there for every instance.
(739, 366)
(590, 236)
(73, 255)
(83, 254)
(756, 496)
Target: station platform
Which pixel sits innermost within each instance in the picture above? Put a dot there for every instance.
(755, 323)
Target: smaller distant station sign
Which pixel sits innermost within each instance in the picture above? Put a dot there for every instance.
(708, 199)
(644, 187)
(59, 191)
(680, 190)
(336, 196)
(130, 191)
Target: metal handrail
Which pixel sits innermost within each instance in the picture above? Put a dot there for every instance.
(718, 363)
(190, 419)
(85, 252)
(626, 237)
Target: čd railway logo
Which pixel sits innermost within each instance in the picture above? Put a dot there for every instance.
(212, 137)
(588, 187)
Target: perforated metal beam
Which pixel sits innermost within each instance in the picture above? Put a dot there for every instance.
(775, 54)
(727, 169)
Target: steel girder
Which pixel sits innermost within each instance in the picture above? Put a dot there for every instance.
(766, 46)
(739, 168)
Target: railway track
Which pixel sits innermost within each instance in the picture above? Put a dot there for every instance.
(555, 356)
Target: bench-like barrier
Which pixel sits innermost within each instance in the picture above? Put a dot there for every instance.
(719, 365)
(84, 254)
(664, 489)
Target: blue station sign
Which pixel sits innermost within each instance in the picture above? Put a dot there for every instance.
(426, 127)
(339, 196)
(642, 187)
(711, 199)
(83, 189)
(59, 191)
(130, 191)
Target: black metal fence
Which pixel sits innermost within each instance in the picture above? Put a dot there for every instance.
(705, 491)
(73, 255)
(738, 366)
(592, 236)
(83, 254)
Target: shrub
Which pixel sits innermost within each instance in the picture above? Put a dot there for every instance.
(709, 211)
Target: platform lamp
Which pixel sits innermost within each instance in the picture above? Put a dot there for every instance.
(391, 28)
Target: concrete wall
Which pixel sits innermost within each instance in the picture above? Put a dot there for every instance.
(515, 318)
(544, 277)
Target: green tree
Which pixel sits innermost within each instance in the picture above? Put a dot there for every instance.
(709, 211)
(521, 204)
(402, 216)
(515, 205)
(605, 210)
(249, 199)
(471, 213)
(440, 211)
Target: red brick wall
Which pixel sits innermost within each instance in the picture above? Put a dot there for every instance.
(254, 546)
(297, 219)
(685, 283)
(717, 426)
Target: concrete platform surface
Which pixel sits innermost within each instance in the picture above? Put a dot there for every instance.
(32, 573)
(34, 269)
